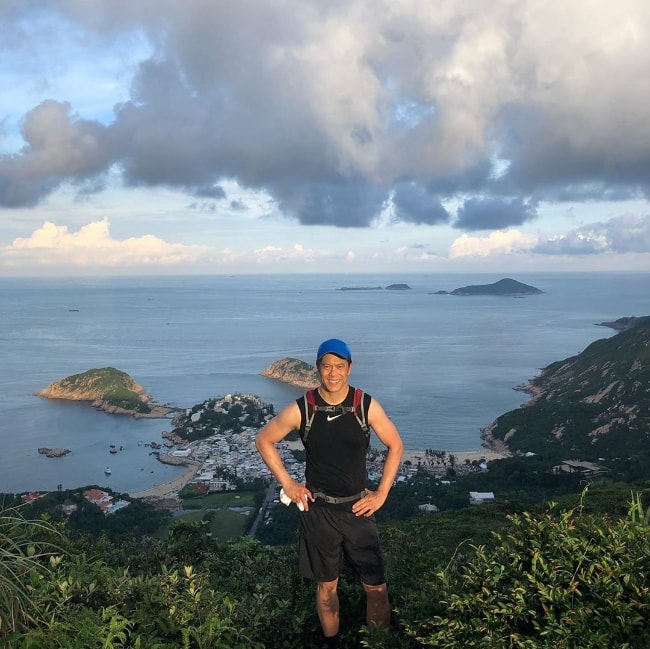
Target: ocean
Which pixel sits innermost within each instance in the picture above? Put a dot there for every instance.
(443, 367)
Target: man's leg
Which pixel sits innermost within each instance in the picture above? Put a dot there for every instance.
(377, 605)
(327, 605)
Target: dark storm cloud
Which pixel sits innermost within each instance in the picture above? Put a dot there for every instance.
(328, 105)
(493, 213)
(415, 205)
(210, 191)
(341, 204)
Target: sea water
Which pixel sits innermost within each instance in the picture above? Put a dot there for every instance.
(442, 366)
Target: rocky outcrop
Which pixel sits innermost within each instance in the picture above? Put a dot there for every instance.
(293, 371)
(622, 324)
(398, 287)
(53, 452)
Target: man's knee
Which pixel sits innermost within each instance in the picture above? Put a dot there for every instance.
(327, 588)
(379, 590)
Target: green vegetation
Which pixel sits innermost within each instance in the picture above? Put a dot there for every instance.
(107, 384)
(224, 525)
(231, 413)
(559, 560)
(560, 575)
(25, 547)
(504, 286)
(593, 405)
(222, 499)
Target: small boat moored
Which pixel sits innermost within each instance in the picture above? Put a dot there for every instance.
(107, 470)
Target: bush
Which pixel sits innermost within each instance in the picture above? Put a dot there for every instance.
(564, 579)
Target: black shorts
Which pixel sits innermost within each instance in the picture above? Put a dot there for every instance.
(329, 533)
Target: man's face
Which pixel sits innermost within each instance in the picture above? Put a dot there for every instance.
(334, 372)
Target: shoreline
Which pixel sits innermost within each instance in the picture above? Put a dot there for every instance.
(460, 456)
(415, 455)
(171, 488)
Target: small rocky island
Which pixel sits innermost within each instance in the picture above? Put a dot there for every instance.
(293, 371)
(508, 287)
(53, 452)
(107, 389)
(390, 287)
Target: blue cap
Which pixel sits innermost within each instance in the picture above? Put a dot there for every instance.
(334, 346)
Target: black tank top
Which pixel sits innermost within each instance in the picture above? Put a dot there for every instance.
(336, 450)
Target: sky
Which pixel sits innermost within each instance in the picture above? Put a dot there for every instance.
(169, 137)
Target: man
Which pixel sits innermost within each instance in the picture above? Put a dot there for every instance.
(338, 510)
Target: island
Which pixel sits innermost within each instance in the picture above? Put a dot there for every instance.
(107, 389)
(360, 288)
(508, 287)
(390, 287)
(53, 452)
(293, 371)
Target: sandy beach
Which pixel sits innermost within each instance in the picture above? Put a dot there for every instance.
(416, 455)
(170, 489)
(460, 456)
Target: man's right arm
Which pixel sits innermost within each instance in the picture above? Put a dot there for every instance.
(275, 431)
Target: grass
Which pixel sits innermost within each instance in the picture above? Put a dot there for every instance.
(225, 524)
(225, 499)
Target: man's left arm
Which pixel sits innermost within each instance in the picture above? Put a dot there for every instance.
(389, 436)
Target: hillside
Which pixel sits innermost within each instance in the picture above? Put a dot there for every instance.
(293, 371)
(595, 404)
(507, 287)
(107, 388)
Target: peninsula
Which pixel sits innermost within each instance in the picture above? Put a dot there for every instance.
(107, 389)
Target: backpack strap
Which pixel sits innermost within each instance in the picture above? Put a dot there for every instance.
(309, 404)
(359, 408)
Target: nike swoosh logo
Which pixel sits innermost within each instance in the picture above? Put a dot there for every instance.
(332, 418)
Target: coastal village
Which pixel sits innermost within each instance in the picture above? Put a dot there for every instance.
(216, 441)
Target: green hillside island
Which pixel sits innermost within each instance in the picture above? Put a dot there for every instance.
(108, 389)
(506, 287)
(595, 405)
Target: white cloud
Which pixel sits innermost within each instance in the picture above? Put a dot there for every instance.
(93, 248)
(496, 243)
(622, 234)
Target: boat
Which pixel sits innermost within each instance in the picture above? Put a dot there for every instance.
(107, 470)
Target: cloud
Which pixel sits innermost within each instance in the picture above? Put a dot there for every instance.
(342, 204)
(620, 235)
(59, 147)
(414, 204)
(493, 213)
(92, 247)
(623, 234)
(273, 255)
(329, 106)
(507, 242)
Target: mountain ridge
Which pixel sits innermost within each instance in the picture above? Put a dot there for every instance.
(596, 403)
